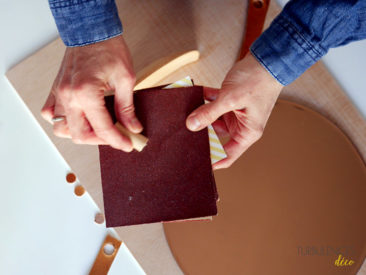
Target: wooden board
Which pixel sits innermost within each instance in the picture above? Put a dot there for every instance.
(162, 28)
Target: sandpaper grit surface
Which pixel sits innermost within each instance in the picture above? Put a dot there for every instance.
(172, 177)
(290, 205)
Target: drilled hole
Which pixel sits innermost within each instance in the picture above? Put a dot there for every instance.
(99, 218)
(258, 4)
(108, 249)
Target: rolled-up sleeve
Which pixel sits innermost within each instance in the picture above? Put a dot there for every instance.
(304, 32)
(83, 22)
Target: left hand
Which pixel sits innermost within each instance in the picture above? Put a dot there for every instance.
(77, 94)
(245, 102)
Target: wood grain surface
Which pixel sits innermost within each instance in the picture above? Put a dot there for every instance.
(154, 30)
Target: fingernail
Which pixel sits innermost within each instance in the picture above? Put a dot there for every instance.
(193, 123)
(127, 149)
(136, 125)
(124, 147)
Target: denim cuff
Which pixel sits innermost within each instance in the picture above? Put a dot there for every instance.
(83, 22)
(284, 50)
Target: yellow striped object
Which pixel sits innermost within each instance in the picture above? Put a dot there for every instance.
(216, 149)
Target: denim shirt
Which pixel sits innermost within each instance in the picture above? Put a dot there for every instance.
(83, 22)
(304, 31)
(298, 37)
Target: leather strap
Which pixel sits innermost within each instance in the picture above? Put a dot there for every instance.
(106, 255)
(257, 10)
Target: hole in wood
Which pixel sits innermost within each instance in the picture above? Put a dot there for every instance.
(99, 218)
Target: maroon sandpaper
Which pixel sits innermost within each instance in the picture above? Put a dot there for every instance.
(171, 179)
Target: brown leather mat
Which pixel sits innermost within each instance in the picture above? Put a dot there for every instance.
(290, 205)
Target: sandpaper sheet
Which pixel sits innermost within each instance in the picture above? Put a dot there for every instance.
(171, 179)
(216, 149)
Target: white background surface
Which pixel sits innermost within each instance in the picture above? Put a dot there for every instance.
(44, 226)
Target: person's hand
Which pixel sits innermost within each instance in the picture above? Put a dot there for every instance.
(77, 94)
(244, 104)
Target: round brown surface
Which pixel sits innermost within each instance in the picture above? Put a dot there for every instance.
(99, 218)
(79, 190)
(70, 178)
(290, 205)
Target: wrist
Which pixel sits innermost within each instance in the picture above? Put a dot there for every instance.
(249, 72)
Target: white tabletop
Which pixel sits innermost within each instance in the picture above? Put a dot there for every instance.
(45, 226)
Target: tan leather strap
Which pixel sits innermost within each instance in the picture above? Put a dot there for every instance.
(257, 10)
(105, 256)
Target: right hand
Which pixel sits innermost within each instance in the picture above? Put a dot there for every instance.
(86, 73)
(240, 109)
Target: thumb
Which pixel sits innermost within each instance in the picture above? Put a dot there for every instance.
(206, 115)
(48, 108)
(125, 110)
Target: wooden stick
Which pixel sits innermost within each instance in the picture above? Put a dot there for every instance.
(158, 70)
(138, 141)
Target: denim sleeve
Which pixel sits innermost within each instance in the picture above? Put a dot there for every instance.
(83, 22)
(304, 31)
